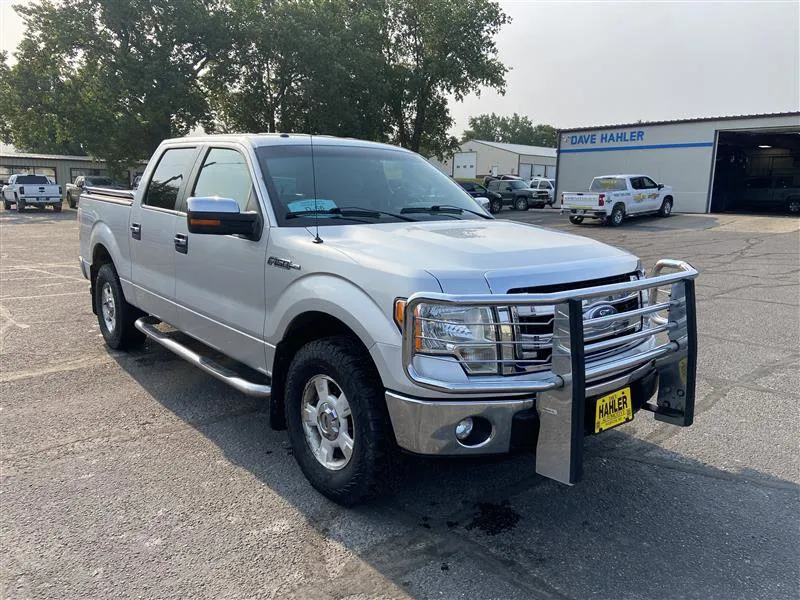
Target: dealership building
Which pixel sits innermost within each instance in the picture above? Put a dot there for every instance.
(713, 164)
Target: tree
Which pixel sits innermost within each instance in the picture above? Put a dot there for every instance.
(109, 78)
(515, 129)
(436, 49)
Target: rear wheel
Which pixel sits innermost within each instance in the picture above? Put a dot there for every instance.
(521, 203)
(337, 420)
(114, 315)
(57, 207)
(617, 216)
(576, 220)
(495, 206)
(666, 207)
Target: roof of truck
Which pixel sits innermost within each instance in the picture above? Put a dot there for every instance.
(275, 139)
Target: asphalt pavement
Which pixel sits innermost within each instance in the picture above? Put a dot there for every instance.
(138, 476)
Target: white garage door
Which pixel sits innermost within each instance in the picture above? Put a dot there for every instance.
(465, 165)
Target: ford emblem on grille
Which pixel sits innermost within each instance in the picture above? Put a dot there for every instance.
(599, 310)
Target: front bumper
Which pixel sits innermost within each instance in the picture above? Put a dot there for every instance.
(664, 350)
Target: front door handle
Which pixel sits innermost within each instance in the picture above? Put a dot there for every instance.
(181, 243)
(136, 231)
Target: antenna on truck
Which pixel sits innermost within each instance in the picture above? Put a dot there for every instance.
(317, 239)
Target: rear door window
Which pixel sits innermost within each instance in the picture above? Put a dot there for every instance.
(170, 174)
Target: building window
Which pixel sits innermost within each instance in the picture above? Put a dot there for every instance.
(7, 171)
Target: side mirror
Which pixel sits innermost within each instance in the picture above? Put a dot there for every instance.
(484, 204)
(221, 216)
(661, 186)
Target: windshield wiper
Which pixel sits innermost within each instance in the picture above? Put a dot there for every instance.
(442, 208)
(347, 212)
(368, 212)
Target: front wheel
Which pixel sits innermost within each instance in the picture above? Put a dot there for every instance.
(521, 204)
(337, 419)
(793, 206)
(114, 315)
(576, 220)
(495, 206)
(666, 208)
(20, 205)
(71, 202)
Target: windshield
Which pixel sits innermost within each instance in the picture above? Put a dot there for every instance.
(32, 179)
(344, 185)
(608, 184)
(516, 184)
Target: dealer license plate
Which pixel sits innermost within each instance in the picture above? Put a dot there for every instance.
(613, 409)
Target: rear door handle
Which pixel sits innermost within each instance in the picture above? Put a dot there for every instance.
(181, 243)
(136, 231)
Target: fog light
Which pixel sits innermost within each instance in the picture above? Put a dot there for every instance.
(464, 428)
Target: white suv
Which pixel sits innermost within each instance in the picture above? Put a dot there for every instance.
(543, 183)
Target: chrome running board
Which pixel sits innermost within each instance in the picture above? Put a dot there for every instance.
(147, 325)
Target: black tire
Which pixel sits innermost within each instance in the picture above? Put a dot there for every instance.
(793, 206)
(521, 203)
(617, 216)
(20, 205)
(57, 207)
(6, 205)
(349, 367)
(666, 207)
(123, 334)
(71, 202)
(575, 219)
(495, 206)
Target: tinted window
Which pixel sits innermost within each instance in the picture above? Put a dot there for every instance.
(759, 183)
(32, 179)
(98, 181)
(517, 185)
(172, 170)
(649, 183)
(636, 183)
(337, 179)
(470, 187)
(225, 174)
(494, 185)
(608, 184)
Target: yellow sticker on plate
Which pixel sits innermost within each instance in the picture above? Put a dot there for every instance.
(613, 409)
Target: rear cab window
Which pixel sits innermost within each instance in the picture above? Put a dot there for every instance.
(608, 184)
(170, 175)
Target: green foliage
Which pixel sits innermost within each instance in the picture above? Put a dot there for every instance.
(515, 129)
(112, 79)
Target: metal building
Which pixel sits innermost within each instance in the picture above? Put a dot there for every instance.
(479, 158)
(749, 163)
(61, 168)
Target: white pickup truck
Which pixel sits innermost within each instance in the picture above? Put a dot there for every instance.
(31, 190)
(612, 198)
(374, 305)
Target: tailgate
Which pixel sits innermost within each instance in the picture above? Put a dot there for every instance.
(581, 200)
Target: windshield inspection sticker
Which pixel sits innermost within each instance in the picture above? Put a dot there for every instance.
(310, 205)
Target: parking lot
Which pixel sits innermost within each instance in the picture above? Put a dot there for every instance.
(136, 475)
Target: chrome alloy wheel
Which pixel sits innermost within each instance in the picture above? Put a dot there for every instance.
(108, 307)
(327, 422)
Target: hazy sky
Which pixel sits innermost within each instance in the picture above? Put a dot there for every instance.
(595, 63)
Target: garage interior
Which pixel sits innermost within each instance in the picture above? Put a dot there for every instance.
(757, 172)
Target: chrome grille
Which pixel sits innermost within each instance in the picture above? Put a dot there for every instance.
(533, 325)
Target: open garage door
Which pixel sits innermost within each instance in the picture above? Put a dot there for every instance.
(757, 171)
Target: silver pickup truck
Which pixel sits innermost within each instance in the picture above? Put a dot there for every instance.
(376, 306)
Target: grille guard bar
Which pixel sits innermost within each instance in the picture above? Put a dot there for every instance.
(561, 398)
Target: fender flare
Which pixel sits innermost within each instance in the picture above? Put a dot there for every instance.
(101, 234)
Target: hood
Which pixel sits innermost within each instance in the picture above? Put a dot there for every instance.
(481, 256)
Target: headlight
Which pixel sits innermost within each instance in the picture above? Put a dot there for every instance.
(466, 332)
